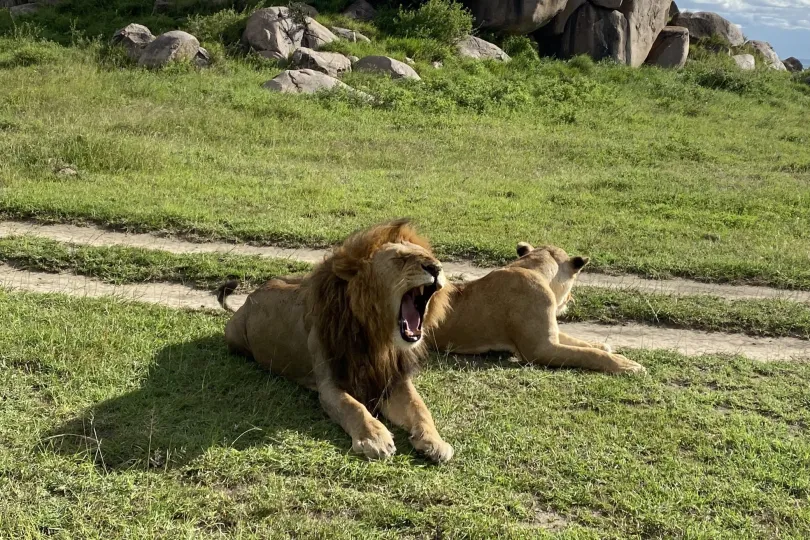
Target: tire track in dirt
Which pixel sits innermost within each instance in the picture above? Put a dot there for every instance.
(96, 236)
(690, 342)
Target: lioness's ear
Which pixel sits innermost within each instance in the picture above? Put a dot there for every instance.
(523, 248)
(579, 262)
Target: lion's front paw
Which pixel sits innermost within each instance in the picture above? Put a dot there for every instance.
(622, 364)
(376, 443)
(602, 347)
(434, 448)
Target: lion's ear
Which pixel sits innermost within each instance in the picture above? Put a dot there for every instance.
(344, 268)
(579, 263)
(524, 248)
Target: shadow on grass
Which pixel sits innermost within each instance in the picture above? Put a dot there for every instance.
(197, 395)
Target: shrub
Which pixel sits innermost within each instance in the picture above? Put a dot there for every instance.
(225, 26)
(33, 54)
(442, 20)
(520, 46)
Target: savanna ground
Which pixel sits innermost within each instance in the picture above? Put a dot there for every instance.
(119, 419)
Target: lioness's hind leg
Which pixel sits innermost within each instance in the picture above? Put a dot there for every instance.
(565, 339)
(405, 408)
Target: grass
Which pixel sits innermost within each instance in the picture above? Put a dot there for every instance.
(697, 173)
(119, 265)
(124, 419)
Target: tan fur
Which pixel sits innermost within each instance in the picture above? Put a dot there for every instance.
(514, 309)
(337, 331)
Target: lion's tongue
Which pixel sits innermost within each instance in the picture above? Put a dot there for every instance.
(410, 315)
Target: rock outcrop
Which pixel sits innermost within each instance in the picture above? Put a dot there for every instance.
(670, 49)
(303, 81)
(473, 47)
(332, 64)
(792, 64)
(276, 32)
(514, 16)
(360, 10)
(388, 66)
(703, 24)
(745, 62)
(134, 38)
(645, 19)
(349, 35)
(599, 33)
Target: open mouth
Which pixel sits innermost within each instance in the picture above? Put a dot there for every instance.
(412, 312)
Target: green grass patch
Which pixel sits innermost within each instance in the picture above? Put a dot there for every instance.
(121, 419)
(119, 265)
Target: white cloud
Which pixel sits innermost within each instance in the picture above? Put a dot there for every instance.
(783, 14)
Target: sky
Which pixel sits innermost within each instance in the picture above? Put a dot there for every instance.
(785, 24)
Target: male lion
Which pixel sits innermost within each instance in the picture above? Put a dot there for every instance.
(514, 309)
(353, 330)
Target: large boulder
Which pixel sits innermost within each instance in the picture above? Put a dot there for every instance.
(333, 64)
(388, 66)
(673, 10)
(360, 10)
(134, 38)
(704, 24)
(557, 26)
(473, 47)
(171, 47)
(745, 62)
(599, 33)
(607, 4)
(514, 16)
(645, 19)
(670, 49)
(276, 32)
(771, 58)
(349, 35)
(792, 64)
(303, 81)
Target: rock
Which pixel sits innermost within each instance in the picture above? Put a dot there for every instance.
(67, 171)
(134, 38)
(389, 66)
(607, 4)
(437, 64)
(202, 58)
(670, 49)
(333, 64)
(360, 10)
(599, 33)
(409, 61)
(304, 9)
(276, 32)
(354, 59)
(745, 62)
(704, 24)
(349, 35)
(473, 47)
(792, 64)
(645, 19)
(308, 81)
(771, 58)
(169, 47)
(673, 10)
(23, 9)
(514, 16)
(557, 26)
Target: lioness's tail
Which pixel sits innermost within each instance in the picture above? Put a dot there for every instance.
(224, 291)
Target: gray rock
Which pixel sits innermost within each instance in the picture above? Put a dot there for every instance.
(134, 38)
(745, 62)
(333, 64)
(771, 58)
(409, 61)
(169, 47)
(557, 25)
(349, 35)
(360, 10)
(304, 9)
(388, 66)
(599, 33)
(473, 47)
(67, 171)
(202, 58)
(307, 81)
(514, 16)
(354, 59)
(645, 19)
(670, 49)
(24, 9)
(437, 64)
(704, 24)
(673, 10)
(276, 32)
(792, 64)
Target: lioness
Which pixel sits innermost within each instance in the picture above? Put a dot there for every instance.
(514, 309)
(353, 329)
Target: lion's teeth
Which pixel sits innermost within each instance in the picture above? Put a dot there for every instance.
(421, 289)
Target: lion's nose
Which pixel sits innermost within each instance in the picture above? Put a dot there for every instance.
(432, 269)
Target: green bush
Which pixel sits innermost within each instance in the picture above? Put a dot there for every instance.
(225, 26)
(441, 20)
(31, 55)
(520, 46)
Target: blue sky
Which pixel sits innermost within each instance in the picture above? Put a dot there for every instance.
(785, 24)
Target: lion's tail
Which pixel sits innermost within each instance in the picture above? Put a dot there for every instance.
(224, 291)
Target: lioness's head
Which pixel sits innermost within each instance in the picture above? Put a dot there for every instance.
(560, 270)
